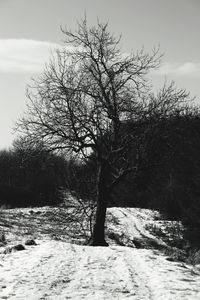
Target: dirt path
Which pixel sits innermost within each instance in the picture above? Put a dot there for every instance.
(57, 270)
(64, 271)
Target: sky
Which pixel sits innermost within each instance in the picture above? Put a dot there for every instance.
(30, 31)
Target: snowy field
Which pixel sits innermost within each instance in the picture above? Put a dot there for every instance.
(56, 268)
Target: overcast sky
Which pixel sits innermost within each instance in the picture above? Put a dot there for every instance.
(30, 28)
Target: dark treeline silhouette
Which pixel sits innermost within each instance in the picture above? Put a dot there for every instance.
(30, 176)
(167, 168)
(166, 176)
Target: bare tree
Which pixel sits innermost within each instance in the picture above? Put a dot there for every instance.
(85, 95)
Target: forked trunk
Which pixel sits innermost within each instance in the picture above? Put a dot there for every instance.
(98, 235)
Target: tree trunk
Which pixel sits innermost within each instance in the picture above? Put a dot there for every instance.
(98, 235)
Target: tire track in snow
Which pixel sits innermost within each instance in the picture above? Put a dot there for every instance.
(57, 270)
(163, 280)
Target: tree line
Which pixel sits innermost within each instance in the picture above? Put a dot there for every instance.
(30, 177)
(164, 158)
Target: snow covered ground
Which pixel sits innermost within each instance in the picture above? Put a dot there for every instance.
(55, 269)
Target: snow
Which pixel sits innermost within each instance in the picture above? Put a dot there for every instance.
(132, 221)
(55, 269)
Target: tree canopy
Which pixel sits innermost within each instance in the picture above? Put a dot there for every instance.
(86, 93)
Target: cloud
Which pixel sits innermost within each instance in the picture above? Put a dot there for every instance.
(29, 56)
(187, 69)
(24, 56)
